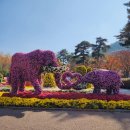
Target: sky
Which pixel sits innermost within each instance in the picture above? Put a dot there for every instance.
(26, 25)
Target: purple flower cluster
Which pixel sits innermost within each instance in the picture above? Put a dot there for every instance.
(27, 67)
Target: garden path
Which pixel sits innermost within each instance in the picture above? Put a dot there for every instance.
(22, 119)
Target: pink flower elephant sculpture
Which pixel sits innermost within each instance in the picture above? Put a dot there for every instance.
(28, 67)
(103, 79)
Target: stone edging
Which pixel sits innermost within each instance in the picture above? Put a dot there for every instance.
(64, 109)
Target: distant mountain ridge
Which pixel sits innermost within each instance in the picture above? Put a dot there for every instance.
(116, 47)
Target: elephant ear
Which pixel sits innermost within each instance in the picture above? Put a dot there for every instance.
(96, 74)
(92, 75)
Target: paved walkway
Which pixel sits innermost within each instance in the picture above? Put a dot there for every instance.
(14, 119)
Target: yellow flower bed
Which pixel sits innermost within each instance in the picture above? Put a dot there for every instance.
(1, 93)
(49, 80)
(64, 103)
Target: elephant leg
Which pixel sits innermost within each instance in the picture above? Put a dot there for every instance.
(39, 79)
(14, 82)
(109, 90)
(115, 90)
(36, 86)
(96, 90)
(14, 87)
(21, 85)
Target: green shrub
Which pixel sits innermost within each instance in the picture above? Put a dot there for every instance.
(81, 69)
(89, 69)
(1, 77)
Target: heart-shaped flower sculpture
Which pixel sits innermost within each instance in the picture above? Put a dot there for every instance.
(70, 80)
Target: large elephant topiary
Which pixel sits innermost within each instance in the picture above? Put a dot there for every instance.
(103, 79)
(28, 67)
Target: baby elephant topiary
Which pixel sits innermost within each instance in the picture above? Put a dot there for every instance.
(103, 79)
(28, 67)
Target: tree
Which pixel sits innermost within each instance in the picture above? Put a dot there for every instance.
(5, 61)
(124, 57)
(96, 64)
(64, 56)
(100, 48)
(118, 61)
(82, 52)
(124, 37)
(111, 62)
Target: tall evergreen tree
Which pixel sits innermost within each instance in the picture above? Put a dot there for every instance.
(82, 51)
(64, 56)
(100, 48)
(124, 37)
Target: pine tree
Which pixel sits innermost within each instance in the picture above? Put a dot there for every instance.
(100, 48)
(82, 51)
(64, 56)
(124, 37)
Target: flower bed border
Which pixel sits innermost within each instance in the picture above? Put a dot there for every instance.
(69, 96)
(64, 109)
(74, 104)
